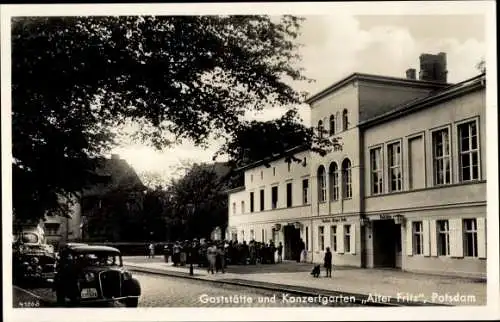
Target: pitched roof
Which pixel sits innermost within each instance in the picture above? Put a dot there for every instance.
(118, 174)
(375, 79)
(432, 99)
(274, 157)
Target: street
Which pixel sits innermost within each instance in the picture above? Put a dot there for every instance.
(162, 291)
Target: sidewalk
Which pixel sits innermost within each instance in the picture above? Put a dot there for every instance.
(375, 285)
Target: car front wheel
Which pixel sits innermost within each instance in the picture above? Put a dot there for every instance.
(132, 302)
(60, 298)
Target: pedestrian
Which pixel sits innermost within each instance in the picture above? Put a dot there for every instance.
(280, 252)
(328, 262)
(222, 256)
(176, 257)
(151, 250)
(211, 257)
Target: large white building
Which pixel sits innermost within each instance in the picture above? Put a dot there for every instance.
(407, 190)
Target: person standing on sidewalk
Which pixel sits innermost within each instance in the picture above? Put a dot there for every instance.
(151, 250)
(280, 252)
(211, 256)
(328, 262)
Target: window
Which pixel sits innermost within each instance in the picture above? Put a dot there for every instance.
(443, 242)
(252, 234)
(305, 191)
(251, 202)
(395, 172)
(262, 200)
(376, 171)
(289, 194)
(307, 237)
(333, 237)
(52, 229)
(263, 236)
(321, 184)
(321, 237)
(332, 124)
(234, 208)
(347, 179)
(334, 181)
(469, 151)
(242, 235)
(274, 171)
(418, 238)
(470, 238)
(242, 207)
(345, 120)
(347, 238)
(441, 157)
(274, 197)
(289, 165)
(261, 175)
(320, 128)
(304, 162)
(251, 178)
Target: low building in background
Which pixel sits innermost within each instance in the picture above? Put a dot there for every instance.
(121, 188)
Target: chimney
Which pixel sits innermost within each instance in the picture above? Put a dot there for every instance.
(411, 73)
(433, 67)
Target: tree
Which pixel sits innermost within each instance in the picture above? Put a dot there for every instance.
(256, 141)
(75, 80)
(204, 189)
(481, 66)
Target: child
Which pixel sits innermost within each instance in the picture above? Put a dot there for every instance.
(328, 262)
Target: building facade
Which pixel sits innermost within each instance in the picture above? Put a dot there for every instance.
(406, 190)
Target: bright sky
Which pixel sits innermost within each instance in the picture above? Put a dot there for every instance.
(336, 46)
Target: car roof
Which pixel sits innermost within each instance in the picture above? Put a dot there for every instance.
(84, 248)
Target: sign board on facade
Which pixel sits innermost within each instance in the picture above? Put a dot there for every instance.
(337, 219)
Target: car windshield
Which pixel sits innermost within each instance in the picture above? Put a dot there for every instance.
(29, 238)
(98, 259)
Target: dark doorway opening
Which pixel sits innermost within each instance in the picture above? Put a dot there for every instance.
(292, 242)
(386, 243)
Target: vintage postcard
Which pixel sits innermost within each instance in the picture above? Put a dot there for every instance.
(250, 161)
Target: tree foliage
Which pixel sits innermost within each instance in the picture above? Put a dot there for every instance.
(198, 201)
(75, 80)
(481, 66)
(257, 140)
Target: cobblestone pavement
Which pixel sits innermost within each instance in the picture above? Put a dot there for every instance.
(160, 291)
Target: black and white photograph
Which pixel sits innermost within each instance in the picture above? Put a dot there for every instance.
(250, 161)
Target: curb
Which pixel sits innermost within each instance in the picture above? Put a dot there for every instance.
(298, 290)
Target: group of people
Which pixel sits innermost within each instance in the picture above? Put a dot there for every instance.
(216, 255)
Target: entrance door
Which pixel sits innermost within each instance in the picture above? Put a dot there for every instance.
(385, 240)
(292, 239)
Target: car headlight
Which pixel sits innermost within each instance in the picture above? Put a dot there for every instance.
(89, 276)
(127, 276)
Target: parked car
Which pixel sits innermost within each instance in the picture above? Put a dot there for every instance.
(88, 274)
(33, 261)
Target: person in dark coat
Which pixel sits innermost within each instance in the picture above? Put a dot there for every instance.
(280, 252)
(328, 262)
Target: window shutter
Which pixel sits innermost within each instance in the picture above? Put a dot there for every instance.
(353, 239)
(481, 237)
(409, 238)
(456, 238)
(425, 227)
(433, 237)
(340, 239)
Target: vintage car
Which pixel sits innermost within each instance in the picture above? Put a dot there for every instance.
(33, 261)
(88, 274)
